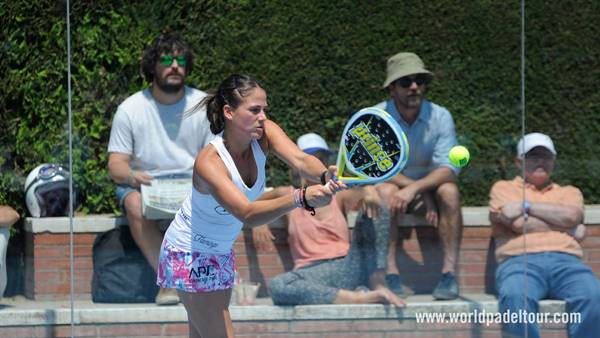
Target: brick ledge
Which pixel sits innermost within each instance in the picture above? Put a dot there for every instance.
(472, 216)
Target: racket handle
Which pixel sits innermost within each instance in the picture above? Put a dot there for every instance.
(335, 178)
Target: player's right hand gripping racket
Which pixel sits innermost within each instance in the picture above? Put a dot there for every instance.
(373, 148)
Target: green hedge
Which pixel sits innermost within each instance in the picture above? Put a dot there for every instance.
(319, 61)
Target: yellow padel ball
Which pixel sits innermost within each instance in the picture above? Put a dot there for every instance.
(459, 156)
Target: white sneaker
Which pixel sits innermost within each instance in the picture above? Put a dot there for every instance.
(167, 297)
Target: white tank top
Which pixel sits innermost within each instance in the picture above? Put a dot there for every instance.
(202, 224)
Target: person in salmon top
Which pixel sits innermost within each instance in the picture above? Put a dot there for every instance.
(537, 227)
(328, 267)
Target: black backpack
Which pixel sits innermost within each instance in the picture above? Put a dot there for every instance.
(121, 272)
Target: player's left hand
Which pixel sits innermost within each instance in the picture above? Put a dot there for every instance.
(263, 238)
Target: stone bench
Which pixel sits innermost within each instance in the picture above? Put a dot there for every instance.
(25, 318)
(47, 254)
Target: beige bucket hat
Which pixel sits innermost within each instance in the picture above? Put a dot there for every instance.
(403, 64)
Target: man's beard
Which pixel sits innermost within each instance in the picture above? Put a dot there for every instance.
(167, 87)
(413, 101)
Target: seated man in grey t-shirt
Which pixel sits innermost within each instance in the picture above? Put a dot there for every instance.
(152, 136)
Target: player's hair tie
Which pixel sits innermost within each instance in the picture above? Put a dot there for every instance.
(324, 177)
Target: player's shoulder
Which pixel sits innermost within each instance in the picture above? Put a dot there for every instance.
(272, 129)
(208, 159)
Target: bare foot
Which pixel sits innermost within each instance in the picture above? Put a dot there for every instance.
(385, 296)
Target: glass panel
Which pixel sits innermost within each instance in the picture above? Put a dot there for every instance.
(36, 170)
(552, 203)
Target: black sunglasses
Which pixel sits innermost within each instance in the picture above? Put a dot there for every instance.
(407, 81)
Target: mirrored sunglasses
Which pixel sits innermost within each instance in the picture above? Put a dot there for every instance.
(167, 60)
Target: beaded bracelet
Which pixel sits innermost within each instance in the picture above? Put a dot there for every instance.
(297, 194)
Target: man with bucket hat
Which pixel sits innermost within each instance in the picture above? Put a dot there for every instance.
(427, 185)
(537, 227)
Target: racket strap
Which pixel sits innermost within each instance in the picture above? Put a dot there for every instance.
(306, 206)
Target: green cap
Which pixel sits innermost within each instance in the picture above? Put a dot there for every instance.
(403, 64)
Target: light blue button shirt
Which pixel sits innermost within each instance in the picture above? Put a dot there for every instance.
(430, 138)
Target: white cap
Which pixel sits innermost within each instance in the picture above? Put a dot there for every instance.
(311, 143)
(533, 140)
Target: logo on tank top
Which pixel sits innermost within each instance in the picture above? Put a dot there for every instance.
(221, 211)
(203, 240)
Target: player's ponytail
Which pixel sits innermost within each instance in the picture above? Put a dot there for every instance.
(214, 112)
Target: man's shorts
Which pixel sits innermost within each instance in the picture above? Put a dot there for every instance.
(122, 191)
(417, 206)
(195, 271)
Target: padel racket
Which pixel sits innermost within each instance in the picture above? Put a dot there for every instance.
(373, 148)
